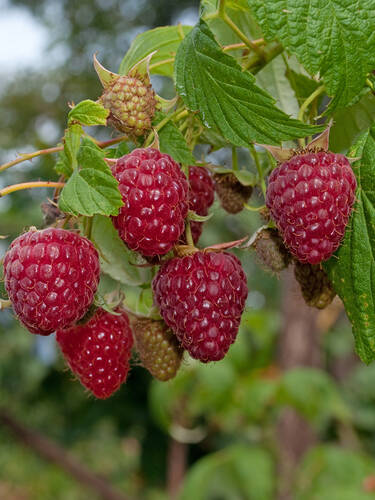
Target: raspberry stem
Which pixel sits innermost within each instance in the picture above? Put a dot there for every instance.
(254, 209)
(249, 43)
(5, 304)
(188, 234)
(235, 46)
(30, 156)
(29, 185)
(176, 115)
(309, 100)
(259, 169)
(234, 158)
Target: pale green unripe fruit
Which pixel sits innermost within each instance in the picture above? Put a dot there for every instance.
(158, 348)
(131, 103)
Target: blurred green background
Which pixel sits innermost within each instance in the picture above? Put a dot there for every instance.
(280, 417)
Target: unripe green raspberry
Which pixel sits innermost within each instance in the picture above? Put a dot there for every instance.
(131, 102)
(315, 285)
(158, 348)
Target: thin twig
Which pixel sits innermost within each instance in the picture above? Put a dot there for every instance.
(29, 185)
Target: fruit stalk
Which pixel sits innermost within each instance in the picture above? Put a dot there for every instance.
(29, 185)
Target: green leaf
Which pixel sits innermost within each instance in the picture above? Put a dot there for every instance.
(272, 79)
(348, 123)
(330, 472)
(173, 142)
(121, 150)
(302, 85)
(314, 394)
(239, 13)
(63, 165)
(226, 97)
(225, 474)
(332, 37)
(91, 189)
(245, 177)
(116, 259)
(88, 113)
(352, 268)
(165, 40)
(72, 141)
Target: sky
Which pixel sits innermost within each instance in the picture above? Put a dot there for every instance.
(22, 39)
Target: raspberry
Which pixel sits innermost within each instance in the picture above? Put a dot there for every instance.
(315, 285)
(311, 197)
(51, 277)
(132, 104)
(271, 251)
(201, 297)
(158, 348)
(98, 352)
(232, 194)
(155, 194)
(201, 196)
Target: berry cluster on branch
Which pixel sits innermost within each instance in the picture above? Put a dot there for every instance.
(155, 198)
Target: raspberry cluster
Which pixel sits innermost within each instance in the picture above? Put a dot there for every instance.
(52, 275)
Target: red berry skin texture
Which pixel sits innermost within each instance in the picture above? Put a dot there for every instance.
(201, 196)
(201, 297)
(311, 197)
(155, 194)
(51, 277)
(98, 352)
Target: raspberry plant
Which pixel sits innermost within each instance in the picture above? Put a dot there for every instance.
(257, 76)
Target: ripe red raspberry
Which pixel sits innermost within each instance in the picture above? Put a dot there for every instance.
(201, 297)
(155, 194)
(51, 277)
(201, 196)
(98, 352)
(311, 196)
